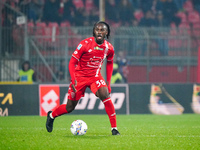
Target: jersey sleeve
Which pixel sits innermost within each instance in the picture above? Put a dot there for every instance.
(111, 53)
(79, 51)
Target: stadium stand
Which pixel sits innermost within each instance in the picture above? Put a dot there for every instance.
(48, 32)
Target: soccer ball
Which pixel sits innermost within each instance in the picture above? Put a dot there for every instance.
(78, 127)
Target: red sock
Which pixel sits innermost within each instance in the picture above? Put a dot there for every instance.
(110, 110)
(60, 110)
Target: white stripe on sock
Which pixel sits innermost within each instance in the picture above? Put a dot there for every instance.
(106, 100)
(113, 114)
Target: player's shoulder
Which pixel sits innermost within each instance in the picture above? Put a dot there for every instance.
(110, 46)
(87, 41)
(84, 43)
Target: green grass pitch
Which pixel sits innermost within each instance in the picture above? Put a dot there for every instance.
(138, 132)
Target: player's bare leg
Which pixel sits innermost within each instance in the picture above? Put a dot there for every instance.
(60, 110)
(103, 94)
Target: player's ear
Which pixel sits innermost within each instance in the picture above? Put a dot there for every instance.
(106, 33)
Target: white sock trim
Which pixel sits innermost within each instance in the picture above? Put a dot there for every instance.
(113, 114)
(114, 128)
(51, 116)
(109, 99)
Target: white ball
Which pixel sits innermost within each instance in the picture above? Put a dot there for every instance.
(78, 127)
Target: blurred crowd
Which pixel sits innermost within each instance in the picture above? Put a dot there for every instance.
(146, 13)
(129, 13)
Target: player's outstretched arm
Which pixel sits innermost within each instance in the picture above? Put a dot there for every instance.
(72, 65)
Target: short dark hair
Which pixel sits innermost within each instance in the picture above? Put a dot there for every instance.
(108, 28)
(26, 62)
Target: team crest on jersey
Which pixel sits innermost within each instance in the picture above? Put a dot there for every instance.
(98, 48)
(79, 46)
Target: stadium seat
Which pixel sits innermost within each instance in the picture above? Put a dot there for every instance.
(65, 30)
(52, 32)
(73, 38)
(64, 26)
(31, 28)
(54, 29)
(174, 43)
(173, 30)
(184, 29)
(196, 29)
(40, 28)
(43, 73)
(196, 33)
(40, 31)
(18, 35)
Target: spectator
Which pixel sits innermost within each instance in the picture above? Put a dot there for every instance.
(7, 10)
(80, 16)
(179, 3)
(68, 10)
(51, 11)
(26, 74)
(146, 5)
(135, 3)
(7, 34)
(125, 12)
(134, 23)
(162, 41)
(112, 12)
(116, 76)
(196, 4)
(125, 71)
(122, 64)
(169, 11)
(93, 16)
(35, 12)
(157, 6)
(148, 20)
(61, 72)
(160, 21)
(24, 6)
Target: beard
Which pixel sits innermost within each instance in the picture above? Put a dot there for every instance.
(100, 40)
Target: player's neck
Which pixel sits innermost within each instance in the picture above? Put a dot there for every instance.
(99, 42)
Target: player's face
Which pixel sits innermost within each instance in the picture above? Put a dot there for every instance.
(100, 32)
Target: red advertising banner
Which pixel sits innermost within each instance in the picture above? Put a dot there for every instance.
(49, 96)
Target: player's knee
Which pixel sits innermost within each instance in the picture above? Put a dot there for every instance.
(103, 96)
(102, 93)
(70, 108)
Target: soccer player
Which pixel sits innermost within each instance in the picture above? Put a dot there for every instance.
(84, 68)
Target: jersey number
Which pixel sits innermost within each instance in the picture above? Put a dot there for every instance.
(100, 82)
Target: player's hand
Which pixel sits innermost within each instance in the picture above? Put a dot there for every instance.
(73, 86)
(109, 88)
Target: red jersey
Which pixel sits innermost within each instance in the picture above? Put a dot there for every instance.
(91, 55)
